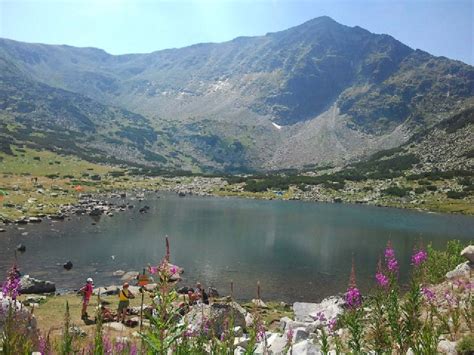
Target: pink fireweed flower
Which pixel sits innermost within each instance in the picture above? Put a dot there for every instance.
(153, 269)
(332, 325)
(260, 332)
(392, 265)
(382, 280)
(449, 298)
(389, 251)
(353, 297)
(419, 258)
(11, 286)
(289, 336)
(173, 270)
(321, 317)
(390, 260)
(429, 295)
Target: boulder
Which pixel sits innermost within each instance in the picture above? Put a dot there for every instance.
(468, 253)
(22, 313)
(106, 291)
(447, 347)
(76, 331)
(300, 333)
(119, 327)
(307, 312)
(462, 270)
(277, 344)
(306, 347)
(31, 285)
(259, 303)
(118, 273)
(220, 313)
(128, 276)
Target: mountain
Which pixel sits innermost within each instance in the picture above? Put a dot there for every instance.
(314, 94)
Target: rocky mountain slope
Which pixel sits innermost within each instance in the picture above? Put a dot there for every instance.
(314, 94)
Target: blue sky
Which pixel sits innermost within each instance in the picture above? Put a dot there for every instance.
(139, 26)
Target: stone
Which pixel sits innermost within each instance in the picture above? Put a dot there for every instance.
(122, 340)
(107, 291)
(34, 299)
(34, 220)
(119, 327)
(128, 276)
(259, 303)
(76, 331)
(239, 350)
(299, 334)
(219, 313)
(462, 270)
(468, 253)
(22, 312)
(241, 341)
(238, 331)
(2, 230)
(277, 344)
(447, 347)
(31, 285)
(306, 347)
(307, 312)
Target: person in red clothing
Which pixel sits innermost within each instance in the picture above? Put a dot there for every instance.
(86, 292)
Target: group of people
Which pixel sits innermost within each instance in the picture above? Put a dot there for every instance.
(124, 301)
(194, 296)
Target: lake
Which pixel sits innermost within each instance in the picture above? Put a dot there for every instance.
(299, 251)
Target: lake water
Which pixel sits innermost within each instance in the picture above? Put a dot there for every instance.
(297, 250)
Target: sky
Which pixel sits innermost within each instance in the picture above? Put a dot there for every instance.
(440, 27)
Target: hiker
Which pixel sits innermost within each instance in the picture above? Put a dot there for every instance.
(86, 292)
(124, 300)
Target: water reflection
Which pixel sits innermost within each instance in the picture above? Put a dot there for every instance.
(296, 250)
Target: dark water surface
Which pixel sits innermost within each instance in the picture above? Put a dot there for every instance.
(297, 250)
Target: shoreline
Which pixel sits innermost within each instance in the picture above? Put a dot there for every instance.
(98, 203)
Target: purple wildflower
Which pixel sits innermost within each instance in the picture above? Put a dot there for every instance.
(382, 280)
(260, 332)
(332, 325)
(389, 251)
(289, 336)
(133, 349)
(320, 316)
(173, 270)
(418, 258)
(11, 286)
(153, 269)
(392, 263)
(353, 297)
(449, 298)
(429, 295)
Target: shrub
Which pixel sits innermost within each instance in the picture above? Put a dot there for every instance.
(396, 191)
(457, 194)
(431, 188)
(440, 262)
(419, 190)
(466, 345)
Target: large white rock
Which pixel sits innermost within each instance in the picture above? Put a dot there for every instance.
(277, 344)
(300, 334)
(462, 270)
(306, 347)
(447, 347)
(468, 253)
(119, 327)
(330, 307)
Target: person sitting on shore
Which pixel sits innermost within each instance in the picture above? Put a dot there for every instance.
(86, 292)
(107, 314)
(200, 294)
(124, 301)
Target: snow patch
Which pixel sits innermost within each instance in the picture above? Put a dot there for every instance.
(276, 126)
